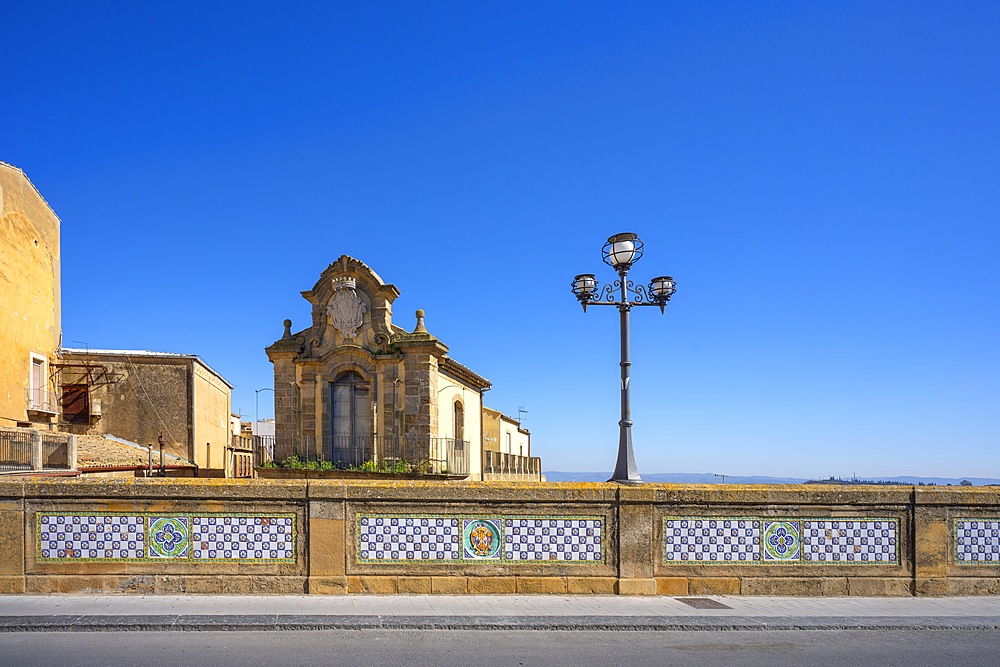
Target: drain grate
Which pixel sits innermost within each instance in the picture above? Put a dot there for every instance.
(703, 603)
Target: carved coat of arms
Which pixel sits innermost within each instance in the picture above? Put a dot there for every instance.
(346, 309)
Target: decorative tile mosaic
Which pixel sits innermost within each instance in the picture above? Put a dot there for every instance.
(573, 540)
(712, 540)
(781, 541)
(168, 537)
(753, 540)
(243, 537)
(481, 539)
(403, 538)
(868, 541)
(135, 537)
(89, 536)
(977, 541)
(517, 539)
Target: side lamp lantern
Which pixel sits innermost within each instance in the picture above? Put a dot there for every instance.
(620, 253)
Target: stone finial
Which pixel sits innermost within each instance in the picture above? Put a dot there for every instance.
(288, 330)
(420, 328)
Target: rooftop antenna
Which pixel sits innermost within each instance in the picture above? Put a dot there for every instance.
(84, 343)
(520, 411)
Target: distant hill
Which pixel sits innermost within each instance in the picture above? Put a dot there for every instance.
(709, 478)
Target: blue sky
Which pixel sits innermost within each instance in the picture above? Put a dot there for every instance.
(820, 178)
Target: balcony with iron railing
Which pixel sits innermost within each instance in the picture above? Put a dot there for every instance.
(410, 455)
(498, 466)
(27, 450)
(42, 400)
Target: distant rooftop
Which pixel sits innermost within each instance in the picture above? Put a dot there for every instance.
(143, 353)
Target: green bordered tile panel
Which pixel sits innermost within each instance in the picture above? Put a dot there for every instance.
(89, 536)
(977, 541)
(560, 540)
(749, 540)
(102, 536)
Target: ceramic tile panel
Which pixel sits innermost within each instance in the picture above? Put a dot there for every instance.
(780, 541)
(711, 540)
(407, 538)
(100, 536)
(849, 541)
(243, 537)
(554, 539)
(89, 536)
(463, 538)
(977, 541)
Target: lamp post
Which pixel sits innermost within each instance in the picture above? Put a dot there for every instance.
(256, 408)
(620, 253)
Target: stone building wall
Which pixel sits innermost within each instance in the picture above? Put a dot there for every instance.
(29, 290)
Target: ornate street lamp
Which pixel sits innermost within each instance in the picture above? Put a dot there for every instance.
(620, 253)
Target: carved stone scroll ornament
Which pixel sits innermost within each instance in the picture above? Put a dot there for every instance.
(346, 309)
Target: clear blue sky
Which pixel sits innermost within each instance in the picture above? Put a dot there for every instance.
(822, 179)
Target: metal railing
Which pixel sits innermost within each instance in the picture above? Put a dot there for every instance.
(410, 454)
(15, 450)
(26, 449)
(55, 451)
(42, 400)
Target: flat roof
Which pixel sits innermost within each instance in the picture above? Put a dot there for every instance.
(143, 353)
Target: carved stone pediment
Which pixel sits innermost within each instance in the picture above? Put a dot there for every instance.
(346, 310)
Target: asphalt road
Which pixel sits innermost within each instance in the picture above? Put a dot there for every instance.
(391, 648)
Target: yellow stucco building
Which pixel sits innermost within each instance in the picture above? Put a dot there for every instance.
(30, 298)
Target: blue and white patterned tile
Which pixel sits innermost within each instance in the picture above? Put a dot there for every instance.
(553, 539)
(90, 536)
(711, 540)
(850, 541)
(408, 538)
(243, 537)
(977, 541)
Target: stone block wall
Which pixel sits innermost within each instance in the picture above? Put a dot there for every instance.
(339, 536)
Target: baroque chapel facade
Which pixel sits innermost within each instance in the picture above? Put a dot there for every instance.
(357, 391)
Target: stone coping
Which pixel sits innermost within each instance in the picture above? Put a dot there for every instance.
(520, 492)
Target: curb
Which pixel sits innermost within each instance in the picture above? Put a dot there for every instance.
(272, 622)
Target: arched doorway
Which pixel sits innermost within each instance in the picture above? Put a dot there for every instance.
(351, 413)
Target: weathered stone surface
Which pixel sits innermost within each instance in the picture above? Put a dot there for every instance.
(492, 585)
(413, 585)
(591, 585)
(11, 585)
(671, 586)
(635, 542)
(713, 586)
(793, 586)
(326, 548)
(539, 585)
(879, 586)
(959, 586)
(933, 536)
(328, 585)
(11, 542)
(449, 585)
(379, 585)
(636, 587)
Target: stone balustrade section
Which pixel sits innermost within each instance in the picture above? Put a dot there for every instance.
(192, 536)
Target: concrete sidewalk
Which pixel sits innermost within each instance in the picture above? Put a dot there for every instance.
(512, 612)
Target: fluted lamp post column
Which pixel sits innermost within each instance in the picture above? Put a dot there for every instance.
(620, 253)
